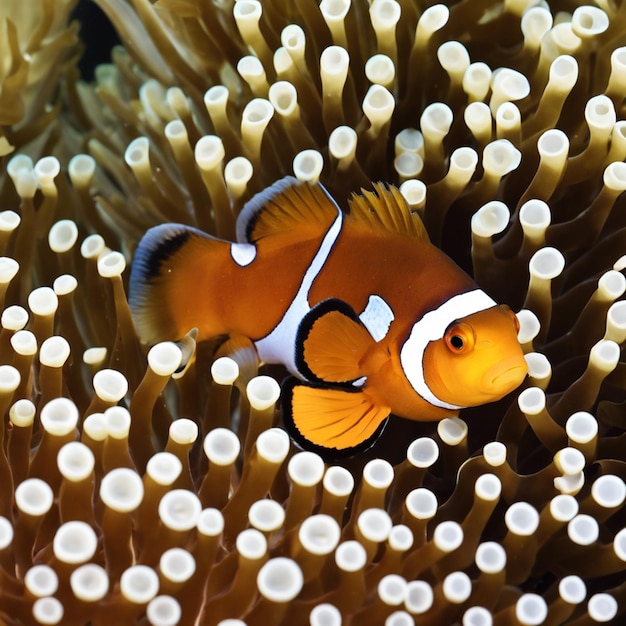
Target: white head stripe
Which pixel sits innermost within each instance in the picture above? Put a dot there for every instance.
(431, 328)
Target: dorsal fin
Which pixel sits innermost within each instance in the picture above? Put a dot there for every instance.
(386, 208)
(287, 205)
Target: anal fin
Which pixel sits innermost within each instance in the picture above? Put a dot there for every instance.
(332, 421)
(187, 346)
(242, 351)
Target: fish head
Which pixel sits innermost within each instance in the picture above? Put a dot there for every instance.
(477, 360)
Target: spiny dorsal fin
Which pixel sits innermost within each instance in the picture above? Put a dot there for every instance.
(334, 422)
(386, 208)
(287, 205)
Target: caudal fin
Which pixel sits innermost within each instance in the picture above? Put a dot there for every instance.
(170, 283)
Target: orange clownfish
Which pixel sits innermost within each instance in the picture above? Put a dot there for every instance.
(367, 315)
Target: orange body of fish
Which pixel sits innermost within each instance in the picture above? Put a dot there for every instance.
(368, 316)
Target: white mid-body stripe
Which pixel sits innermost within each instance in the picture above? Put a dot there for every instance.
(431, 328)
(377, 317)
(279, 345)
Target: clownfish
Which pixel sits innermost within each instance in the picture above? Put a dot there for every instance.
(366, 314)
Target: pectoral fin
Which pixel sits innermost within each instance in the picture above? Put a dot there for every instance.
(331, 344)
(332, 421)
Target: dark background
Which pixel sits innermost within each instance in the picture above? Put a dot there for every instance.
(97, 34)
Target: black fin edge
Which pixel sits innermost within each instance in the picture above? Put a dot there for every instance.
(157, 245)
(306, 325)
(251, 210)
(328, 454)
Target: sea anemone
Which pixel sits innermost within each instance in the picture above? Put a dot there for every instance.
(154, 484)
(38, 48)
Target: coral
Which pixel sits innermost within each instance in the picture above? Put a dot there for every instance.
(135, 492)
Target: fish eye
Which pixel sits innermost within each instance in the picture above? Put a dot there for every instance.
(459, 338)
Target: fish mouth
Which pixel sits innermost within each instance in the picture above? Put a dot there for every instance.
(509, 379)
